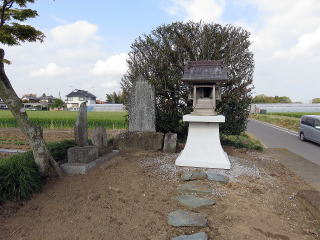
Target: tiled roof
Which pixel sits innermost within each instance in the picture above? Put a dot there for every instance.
(205, 72)
(81, 93)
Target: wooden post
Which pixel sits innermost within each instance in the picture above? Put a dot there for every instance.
(194, 95)
(214, 97)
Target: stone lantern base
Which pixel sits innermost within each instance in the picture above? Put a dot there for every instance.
(203, 148)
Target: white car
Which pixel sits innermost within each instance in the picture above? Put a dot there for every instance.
(310, 128)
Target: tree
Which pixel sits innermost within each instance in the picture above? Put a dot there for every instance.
(266, 99)
(316, 100)
(161, 56)
(12, 32)
(58, 103)
(115, 97)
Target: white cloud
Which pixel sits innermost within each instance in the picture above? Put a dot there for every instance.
(51, 70)
(78, 32)
(286, 44)
(64, 62)
(308, 46)
(198, 10)
(114, 65)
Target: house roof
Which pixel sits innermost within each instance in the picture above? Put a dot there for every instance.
(205, 72)
(30, 97)
(47, 97)
(81, 93)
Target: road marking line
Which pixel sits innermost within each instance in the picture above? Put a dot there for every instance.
(277, 127)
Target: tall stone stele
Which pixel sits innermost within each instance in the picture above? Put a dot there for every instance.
(82, 153)
(81, 127)
(142, 107)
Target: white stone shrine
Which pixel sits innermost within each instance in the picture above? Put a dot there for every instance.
(203, 148)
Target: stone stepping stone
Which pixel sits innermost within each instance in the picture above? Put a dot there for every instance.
(196, 236)
(194, 202)
(192, 188)
(217, 177)
(181, 218)
(193, 175)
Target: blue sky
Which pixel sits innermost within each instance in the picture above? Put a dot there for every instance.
(87, 44)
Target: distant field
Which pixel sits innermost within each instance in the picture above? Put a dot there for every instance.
(65, 119)
(293, 114)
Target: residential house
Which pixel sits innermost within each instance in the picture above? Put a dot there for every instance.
(3, 105)
(47, 99)
(30, 99)
(76, 97)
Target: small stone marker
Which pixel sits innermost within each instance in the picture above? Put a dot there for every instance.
(181, 218)
(99, 139)
(196, 236)
(191, 188)
(193, 175)
(81, 127)
(142, 107)
(217, 177)
(194, 202)
(170, 143)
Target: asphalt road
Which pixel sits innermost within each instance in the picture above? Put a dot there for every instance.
(275, 137)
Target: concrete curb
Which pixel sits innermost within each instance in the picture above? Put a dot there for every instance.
(82, 168)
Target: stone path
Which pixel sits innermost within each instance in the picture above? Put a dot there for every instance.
(194, 202)
(183, 218)
(197, 236)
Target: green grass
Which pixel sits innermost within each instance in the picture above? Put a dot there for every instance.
(65, 119)
(293, 114)
(241, 141)
(19, 176)
(291, 123)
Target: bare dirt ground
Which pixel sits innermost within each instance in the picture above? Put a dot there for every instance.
(131, 200)
(13, 138)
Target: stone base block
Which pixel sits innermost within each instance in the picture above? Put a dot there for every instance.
(104, 150)
(82, 154)
(203, 148)
(151, 141)
(82, 168)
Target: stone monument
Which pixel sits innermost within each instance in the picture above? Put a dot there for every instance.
(203, 147)
(142, 107)
(82, 153)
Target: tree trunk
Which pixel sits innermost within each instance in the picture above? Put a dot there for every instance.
(45, 162)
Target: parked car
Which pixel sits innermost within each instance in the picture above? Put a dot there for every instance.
(310, 128)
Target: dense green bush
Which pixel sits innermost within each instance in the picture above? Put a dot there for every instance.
(59, 149)
(241, 141)
(19, 177)
(161, 57)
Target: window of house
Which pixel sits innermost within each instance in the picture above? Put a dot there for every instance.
(81, 99)
(70, 99)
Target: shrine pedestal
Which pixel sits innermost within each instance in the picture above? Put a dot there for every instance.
(203, 148)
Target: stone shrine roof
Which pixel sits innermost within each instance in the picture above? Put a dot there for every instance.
(205, 72)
